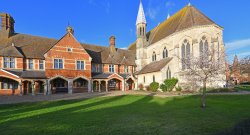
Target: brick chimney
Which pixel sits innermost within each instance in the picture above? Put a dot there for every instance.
(112, 44)
(7, 26)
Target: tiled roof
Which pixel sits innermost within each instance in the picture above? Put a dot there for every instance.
(187, 17)
(155, 66)
(28, 74)
(35, 47)
(11, 51)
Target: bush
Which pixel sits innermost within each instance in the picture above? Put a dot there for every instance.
(154, 86)
(169, 84)
(141, 86)
(178, 88)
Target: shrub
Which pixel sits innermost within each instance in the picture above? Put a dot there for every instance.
(169, 84)
(178, 88)
(141, 86)
(154, 86)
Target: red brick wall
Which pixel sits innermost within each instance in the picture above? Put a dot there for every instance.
(121, 68)
(19, 63)
(69, 58)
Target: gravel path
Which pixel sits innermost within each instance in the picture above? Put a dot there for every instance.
(56, 97)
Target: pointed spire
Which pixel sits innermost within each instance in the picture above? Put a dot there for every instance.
(189, 3)
(141, 15)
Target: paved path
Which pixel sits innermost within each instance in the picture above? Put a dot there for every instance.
(55, 97)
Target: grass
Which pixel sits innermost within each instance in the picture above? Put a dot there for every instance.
(242, 87)
(137, 115)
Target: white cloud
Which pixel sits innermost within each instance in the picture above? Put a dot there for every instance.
(124, 48)
(238, 44)
(152, 12)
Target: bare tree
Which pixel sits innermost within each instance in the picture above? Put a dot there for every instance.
(207, 68)
(244, 64)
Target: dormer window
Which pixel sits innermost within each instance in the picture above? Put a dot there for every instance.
(8, 62)
(30, 64)
(111, 68)
(69, 49)
(41, 64)
(126, 69)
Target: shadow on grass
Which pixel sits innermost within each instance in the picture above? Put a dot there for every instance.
(127, 115)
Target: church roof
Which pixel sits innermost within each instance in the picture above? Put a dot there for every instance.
(187, 17)
(155, 66)
(141, 16)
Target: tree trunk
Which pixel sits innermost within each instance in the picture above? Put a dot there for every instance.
(204, 90)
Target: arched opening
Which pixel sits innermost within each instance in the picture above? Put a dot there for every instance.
(80, 85)
(59, 85)
(165, 53)
(130, 84)
(114, 84)
(9, 86)
(168, 74)
(154, 56)
(185, 54)
(39, 86)
(103, 86)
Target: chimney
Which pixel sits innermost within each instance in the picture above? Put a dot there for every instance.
(7, 26)
(112, 44)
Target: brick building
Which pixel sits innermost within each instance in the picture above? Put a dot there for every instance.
(37, 65)
(235, 75)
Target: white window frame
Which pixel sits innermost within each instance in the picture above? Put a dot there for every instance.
(110, 67)
(43, 62)
(9, 62)
(81, 61)
(58, 63)
(126, 69)
(28, 64)
(69, 49)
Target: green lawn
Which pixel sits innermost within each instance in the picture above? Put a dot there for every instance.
(242, 87)
(129, 115)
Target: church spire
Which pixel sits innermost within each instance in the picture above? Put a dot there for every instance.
(141, 15)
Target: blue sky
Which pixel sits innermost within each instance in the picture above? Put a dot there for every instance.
(95, 21)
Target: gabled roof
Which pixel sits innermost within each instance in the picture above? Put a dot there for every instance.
(31, 46)
(187, 17)
(11, 51)
(35, 47)
(155, 66)
(107, 75)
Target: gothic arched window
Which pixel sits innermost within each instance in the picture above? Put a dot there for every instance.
(185, 54)
(153, 78)
(204, 48)
(165, 53)
(168, 74)
(140, 31)
(154, 56)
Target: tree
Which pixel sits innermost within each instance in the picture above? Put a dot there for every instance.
(244, 64)
(208, 67)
